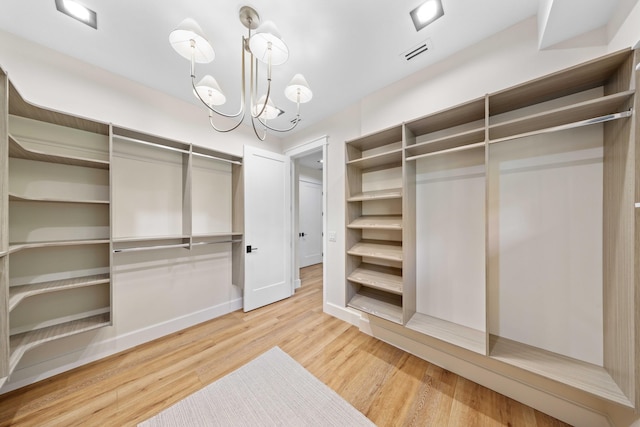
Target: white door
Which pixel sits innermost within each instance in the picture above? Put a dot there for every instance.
(267, 214)
(310, 223)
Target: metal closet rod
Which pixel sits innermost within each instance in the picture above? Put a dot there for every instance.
(587, 122)
(208, 156)
(178, 245)
(152, 144)
(179, 150)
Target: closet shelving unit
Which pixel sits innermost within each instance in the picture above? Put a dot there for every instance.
(440, 148)
(375, 224)
(197, 188)
(55, 205)
(535, 157)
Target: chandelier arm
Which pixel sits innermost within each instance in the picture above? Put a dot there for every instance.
(266, 99)
(242, 93)
(225, 130)
(264, 135)
(295, 121)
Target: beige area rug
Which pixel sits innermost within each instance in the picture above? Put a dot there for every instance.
(271, 390)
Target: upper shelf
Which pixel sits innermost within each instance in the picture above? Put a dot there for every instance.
(561, 116)
(576, 79)
(18, 151)
(389, 159)
(452, 117)
(377, 139)
(19, 107)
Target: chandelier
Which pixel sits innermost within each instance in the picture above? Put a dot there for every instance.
(264, 46)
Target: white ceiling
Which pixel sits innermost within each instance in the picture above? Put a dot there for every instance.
(345, 48)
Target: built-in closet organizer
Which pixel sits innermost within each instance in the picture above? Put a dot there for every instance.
(522, 204)
(55, 211)
(174, 195)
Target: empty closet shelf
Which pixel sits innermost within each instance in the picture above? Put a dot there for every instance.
(388, 307)
(388, 222)
(19, 293)
(21, 343)
(376, 250)
(392, 193)
(377, 280)
(20, 151)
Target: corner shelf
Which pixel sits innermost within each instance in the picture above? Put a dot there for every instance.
(17, 198)
(18, 151)
(15, 247)
(21, 343)
(20, 292)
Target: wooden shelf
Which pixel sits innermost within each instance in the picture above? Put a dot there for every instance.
(453, 333)
(380, 304)
(377, 250)
(220, 234)
(16, 198)
(150, 238)
(459, 115)
(446, 143)
(392, 193)
(19, 293)
(581, 375)
(375, 277)
(21, 343)
(377, 139)
(388, 222)
(389, 159)
(15, 247)
(560, 116)
(18, 151)
(572, 80)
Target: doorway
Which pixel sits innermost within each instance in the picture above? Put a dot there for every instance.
(308, 195)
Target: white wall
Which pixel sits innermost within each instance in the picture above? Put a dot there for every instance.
(495, 63)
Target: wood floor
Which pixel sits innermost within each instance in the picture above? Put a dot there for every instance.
(389, 386)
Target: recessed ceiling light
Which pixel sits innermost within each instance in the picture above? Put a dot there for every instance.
(426, 13)
(78, 11)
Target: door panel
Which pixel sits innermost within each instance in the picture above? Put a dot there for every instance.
(267, 218)
(310, 223)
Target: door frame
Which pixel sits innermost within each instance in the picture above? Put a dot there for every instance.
(319, 144)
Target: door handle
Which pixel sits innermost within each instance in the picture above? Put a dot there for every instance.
(301, 234)
(250, 249)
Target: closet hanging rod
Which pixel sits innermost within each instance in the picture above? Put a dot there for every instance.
(150, 248)
(573, 125)
(449, 150)
(215, 243)
(152, 144)
(208, 156)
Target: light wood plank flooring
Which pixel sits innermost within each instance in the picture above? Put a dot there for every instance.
(389, 386)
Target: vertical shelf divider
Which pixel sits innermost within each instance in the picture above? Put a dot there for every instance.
(4, 227)
(409, 289)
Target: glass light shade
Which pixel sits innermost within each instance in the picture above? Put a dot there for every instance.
(298, 86)
(270, 112)
(266, 34)
(210, 91)
(181, 37)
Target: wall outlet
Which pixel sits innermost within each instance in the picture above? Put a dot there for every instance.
(332, 236)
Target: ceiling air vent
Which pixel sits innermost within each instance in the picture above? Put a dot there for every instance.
(417, 50)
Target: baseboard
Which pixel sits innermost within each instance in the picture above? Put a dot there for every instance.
(99, 350)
